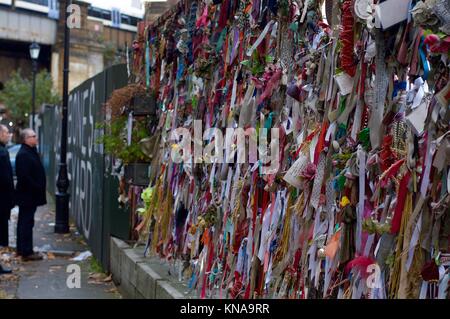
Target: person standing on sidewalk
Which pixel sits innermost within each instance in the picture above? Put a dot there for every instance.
(6, 190)
(30, 192)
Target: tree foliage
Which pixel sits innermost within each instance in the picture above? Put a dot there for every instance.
(17, 94)
(115, 139)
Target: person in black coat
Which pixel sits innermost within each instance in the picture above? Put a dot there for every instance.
(30, 192)
(6, 190)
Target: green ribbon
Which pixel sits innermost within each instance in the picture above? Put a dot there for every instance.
(221, 39)
(364, 137)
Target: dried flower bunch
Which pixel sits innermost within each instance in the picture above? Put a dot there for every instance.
(121, 99)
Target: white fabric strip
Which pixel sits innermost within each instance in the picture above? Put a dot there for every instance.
(357, 120)
(305, 10)
(264, 233)
(369, 243)
(414, 241)
(431, 147)
(423, 290)
(260, 38)
(312, 252)
(227, 189)
(330, 132)
(233, 92)
(443, 287)
(211, 177)
(362, 187)
(250, 247)
(326, 283)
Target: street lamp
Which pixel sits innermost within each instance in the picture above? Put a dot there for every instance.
(61, 196)
(34, 53)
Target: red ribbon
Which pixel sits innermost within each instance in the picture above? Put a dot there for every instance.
(346, 36)
(321, 142)
(403, 190)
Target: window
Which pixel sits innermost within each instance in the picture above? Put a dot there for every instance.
(116, 17)
(106, 15)
(126, 19)
(53, 9)
(40, 2)
(134, 21)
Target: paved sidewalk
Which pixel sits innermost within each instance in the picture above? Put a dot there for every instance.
(47, 279)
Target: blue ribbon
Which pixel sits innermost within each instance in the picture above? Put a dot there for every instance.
(268, 123)
(180, 69)
(147, 64)
(192, 281)
(398, 86)
(426, 68)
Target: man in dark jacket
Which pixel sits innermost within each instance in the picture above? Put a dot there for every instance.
(30, 192)
(6, 190)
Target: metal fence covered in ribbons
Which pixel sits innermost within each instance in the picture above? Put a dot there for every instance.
(354, 97)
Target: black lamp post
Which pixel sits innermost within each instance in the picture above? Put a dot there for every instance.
(34, 53)
(62, 197)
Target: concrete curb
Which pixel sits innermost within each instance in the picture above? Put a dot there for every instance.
(135, 277)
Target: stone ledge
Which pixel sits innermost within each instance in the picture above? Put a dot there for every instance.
(138, 277)
(165, 290)
(147, 281)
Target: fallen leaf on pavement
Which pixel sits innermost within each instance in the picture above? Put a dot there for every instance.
(112, 290)
(4, 295)
(9, 277)
(54, 268)
(97, 276)
(108, 279)
(50, 256)
(6, 250)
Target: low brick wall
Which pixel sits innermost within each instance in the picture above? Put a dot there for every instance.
(142, 278)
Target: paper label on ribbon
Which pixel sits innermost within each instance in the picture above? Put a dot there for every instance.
(416, 119)
(391, 12)
(292, 176)
(344, 82)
